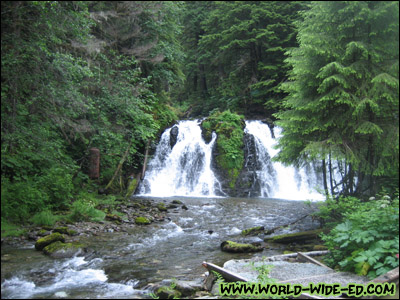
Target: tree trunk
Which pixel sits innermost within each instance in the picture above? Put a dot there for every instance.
(324, 177)
(121, 162)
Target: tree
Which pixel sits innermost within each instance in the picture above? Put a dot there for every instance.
(343, 92)
(237, 53)
(74, 77)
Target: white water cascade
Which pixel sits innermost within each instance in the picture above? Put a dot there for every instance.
(184, 170)
(275, 179)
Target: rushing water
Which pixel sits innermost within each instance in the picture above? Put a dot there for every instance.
(184, 170)
(275, 179)
(125, 263)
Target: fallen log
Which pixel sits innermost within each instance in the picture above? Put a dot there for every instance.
(294, 237)
(304, 257)
(121, 162)
(233, 277)
(227, 275)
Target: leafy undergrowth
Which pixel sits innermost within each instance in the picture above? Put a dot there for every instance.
(367, 240)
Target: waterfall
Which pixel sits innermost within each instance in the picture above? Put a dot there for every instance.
(181, 165)
(273, 178)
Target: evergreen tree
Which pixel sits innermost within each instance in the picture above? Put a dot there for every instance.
(237, 52)
(343, 92)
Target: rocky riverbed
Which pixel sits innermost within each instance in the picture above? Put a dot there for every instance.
(127, 259)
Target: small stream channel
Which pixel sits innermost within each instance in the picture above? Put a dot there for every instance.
(124, 263)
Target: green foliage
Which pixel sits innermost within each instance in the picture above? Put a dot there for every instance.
(72, 80)
(44, 217)
(83, 209)
(229, 128)
(367, 241)
(343, 92)
(9, 229)
(236, 54)
(332, 211)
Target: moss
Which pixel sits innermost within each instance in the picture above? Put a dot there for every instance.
(42, 232)
(320, 247)
(131, 187)
(142, 221)
(161, 207)
(65, 230)
(166, 292)
(49, 239)
(295, 237)
(253, 231)
(60, 249)
(229, 128)
(230, 246)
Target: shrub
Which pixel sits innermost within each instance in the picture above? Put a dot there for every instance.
(20, 198)
(368, 240)
(44, 217)
(84, 209)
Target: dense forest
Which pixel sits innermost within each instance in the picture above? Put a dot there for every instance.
(114, 74)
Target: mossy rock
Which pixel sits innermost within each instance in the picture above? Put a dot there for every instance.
(65, 230)
(63, 250)
(49, 239)
(295, 237)
(177, 202)
(253, 231)
(161, 207)
(166, 292)
(142, 221)
(113, 217)
(233, 247)
(43, 232)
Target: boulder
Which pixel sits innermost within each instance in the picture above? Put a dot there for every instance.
(142, 221)
(63, 250)
(49, 239)
(233, 247)
(173, 136)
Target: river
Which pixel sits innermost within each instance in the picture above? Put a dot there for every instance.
(125, 263)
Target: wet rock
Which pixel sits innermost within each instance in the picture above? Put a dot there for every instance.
(233, 247)
(65, 230)
(161, 207)
(295, 237)
(166, 292)
(113, 217)
(253, 231)
(49, 239)
(63, 250)
(142, 221)
(187, 288)
(173, 136)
